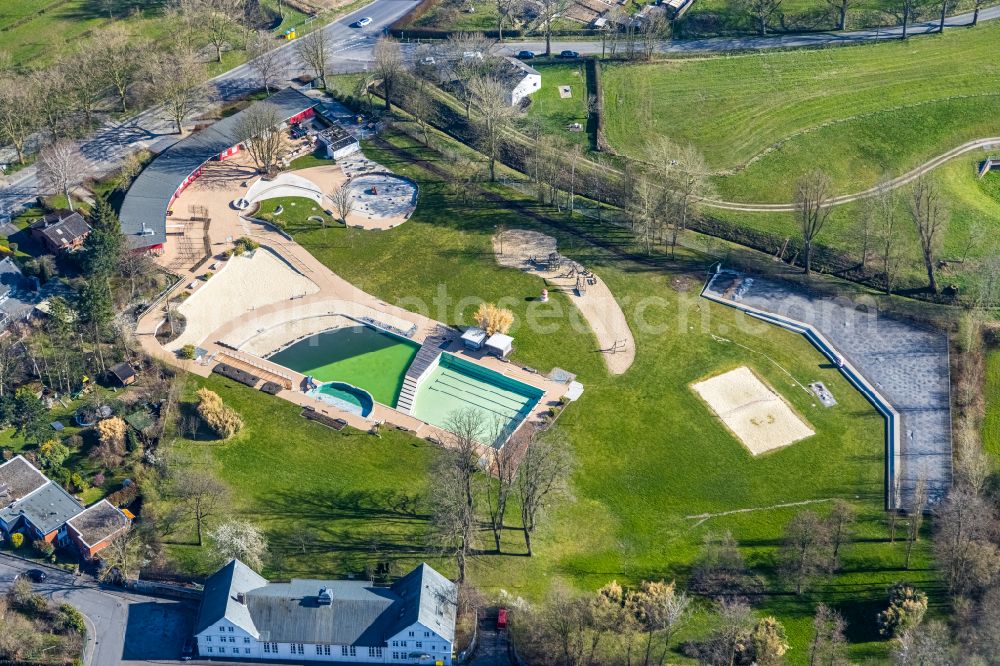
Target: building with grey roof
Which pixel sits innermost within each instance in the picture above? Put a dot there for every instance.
(143, 212)
(518, 78)
(96, 526)
(60, 231)
(37, 507)
(243, 616)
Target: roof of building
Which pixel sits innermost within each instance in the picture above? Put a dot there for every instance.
(98, 522)
(123, 372)
(512, 71)
(62, 227)
(144, 211)
(48, 508)
(358, 613)
(500, 341)
(474, 335)
(18, 478)
(337, 137)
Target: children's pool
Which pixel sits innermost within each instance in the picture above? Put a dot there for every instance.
(361, 356)
(501, 403)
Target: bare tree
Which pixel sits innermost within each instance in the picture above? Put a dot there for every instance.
(839, 8)
(502, 468)
(967, 556)
(506, 11)
(420, 105)
(915, 513)
(265, 59)
(945, 5)
(85, 77)
(257, 131)
(882, 208)
(51, 101)
(314, 50)
(202, 495)
(454, 497)
(829, 645)
(977, 7)
(121, 59)
(177, 84)
(840, 521)
(218, 24)
(928, 644)
(17, 119)
(654, 28)
(343, 202)
(930, 217)
(762, 12)
(812, 194)
(548, 12)
(734, 620)
(541, 478)
(123, 556)
(804, 550)
(388, 66)
(907, 7)
(60, 164)
(495, 117)
(686, 181)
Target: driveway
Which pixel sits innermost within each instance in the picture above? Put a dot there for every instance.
(122, 628)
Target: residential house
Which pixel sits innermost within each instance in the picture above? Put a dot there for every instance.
(519, 79)
(60, 231)
(243, 616)
(96, 527)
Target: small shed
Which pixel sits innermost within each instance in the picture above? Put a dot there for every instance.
(338, 142)
(474, 338)
(124, 373)
(500, 345)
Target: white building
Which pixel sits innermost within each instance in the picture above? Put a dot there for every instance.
(243, 616)
(338, 142)
(520, 80)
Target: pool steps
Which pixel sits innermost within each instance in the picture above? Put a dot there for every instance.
(423, 363)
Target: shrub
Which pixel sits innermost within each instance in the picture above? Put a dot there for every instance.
(17, 539)
(43, 547)
(493, 319)
(69, 618)
(223, 420)
(906, 609)
(125, 496)
(98, 480)
(186, 352)
(78, 483)
(245, 244)
(53, 453)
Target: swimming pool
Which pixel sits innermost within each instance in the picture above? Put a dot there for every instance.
(345, 397)
(457, 384)
(361, 356)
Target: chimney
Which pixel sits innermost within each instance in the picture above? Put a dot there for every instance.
(242, 598)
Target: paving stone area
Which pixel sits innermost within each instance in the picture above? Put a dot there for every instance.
(905, 361)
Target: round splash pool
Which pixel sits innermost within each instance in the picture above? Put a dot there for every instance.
(345, 397)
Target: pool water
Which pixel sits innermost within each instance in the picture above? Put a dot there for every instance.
(345, 397)
(456, 384)
(362, 356)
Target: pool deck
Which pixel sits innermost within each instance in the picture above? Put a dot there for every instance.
(335, 296)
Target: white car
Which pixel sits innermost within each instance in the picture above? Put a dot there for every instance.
(363, 21)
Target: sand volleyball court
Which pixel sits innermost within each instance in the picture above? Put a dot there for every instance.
(752, 411)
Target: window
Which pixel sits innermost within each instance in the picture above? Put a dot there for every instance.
(222, 628)
(267, 647)
(411, 634)
(246, 639)
(371, 651)
(427, 634)
(378, 652)
(319, 649)
(209, 650)
(299, 647)
(208, 639)
(395, 655)
(403, 644)
(236, 650)
(232, 639)
(246, 650)
(395, 644)
(271, 647)
(230, 630)
(354, 651)
(343, 650)
(420, 645)
(326, 650)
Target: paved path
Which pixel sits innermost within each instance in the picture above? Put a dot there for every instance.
(122, 628)
(908, 364)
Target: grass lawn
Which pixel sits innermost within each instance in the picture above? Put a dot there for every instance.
(858, 112)
(295, 213)
(991, 423)
(649, 453)
(556, 113)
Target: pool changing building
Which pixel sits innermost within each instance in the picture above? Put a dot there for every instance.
(146, 207)
(243, 616)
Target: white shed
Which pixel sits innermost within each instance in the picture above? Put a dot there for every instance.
(500, 345)
(473, 338)
(520, 79)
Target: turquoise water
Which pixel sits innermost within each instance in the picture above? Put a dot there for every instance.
(344, 396)
(501, 403)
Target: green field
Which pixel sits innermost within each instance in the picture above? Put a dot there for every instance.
(649, 453)
(554, 113)
(295, 212)
(991, 422)
(858, 112)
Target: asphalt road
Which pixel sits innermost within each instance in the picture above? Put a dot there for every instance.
(122, 628)
(352, 51)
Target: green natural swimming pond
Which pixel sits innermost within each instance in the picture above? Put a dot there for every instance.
(360, 355)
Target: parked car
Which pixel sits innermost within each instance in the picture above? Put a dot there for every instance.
(35, 575)
(569, 54)
(362, 22)
(429, 60)
(525, 55)
(187, 652)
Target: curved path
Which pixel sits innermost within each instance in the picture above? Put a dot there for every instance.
(899, 181)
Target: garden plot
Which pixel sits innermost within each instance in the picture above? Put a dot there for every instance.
(752, 411)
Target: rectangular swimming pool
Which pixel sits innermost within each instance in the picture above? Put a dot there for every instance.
(360, 355)
(457, 384)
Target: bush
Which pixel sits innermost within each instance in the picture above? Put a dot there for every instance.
(906, 609)
(98, 480)
(186, 352)
(125, 496)
(223, 420)
(68, 619)
(17, 539)
(245, 244)
(43, 547)
(493, 319)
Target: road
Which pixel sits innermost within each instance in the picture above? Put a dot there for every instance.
(122, 628)
(352, 51)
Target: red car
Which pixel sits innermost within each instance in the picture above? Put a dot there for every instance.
(502, 619)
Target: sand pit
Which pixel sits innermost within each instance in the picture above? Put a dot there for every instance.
(752, 411)
(530, 251)
(245, 283)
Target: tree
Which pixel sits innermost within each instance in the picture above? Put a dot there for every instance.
(241, 540)
(495, 117)
(257, 130)
(17, 116)
(686, 181)
(907, 607)
(265, 59)
(812, 193)
(454, 499)
(27, 415)
(218, 27)
(222, 419)
(50, 100)
(502, 468)
(733, 623)
(314, 51)
(839, 9)
(761, 13)
(915, 511)
(202, 496)
(506, 11)
(907, 7)
(828, 646)
(548, 12)
(106, 244)
(60, 164)
(929, 216)
(945, 4)
(963, 546)
(659, 609)
(769, 642)
(977, 7)
(121, 59)
(53, 453)
(110, 450)
(883, 206)
(86, 78)
(123, 556)
(721, 570)
(493, 319)
(420, 105)
(388, 66)
(803, 551)
(541, 478)
(343, 201)
(177, 84)
(839, 524)
(926, 645)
